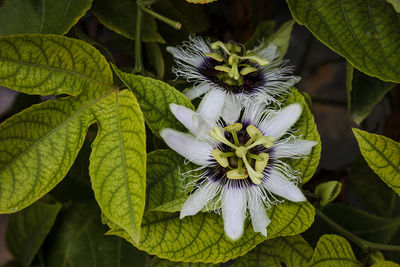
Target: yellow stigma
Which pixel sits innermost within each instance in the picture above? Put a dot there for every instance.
(239, 153)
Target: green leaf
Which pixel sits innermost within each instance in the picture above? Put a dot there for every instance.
(201, 238)
(120, 16)
(77, 239)
(382, 155)
(155, 58)
(370, 189)
(363, 93)
(50, 64)
(363, 224)
(157, 262)
(308, 130)
(281, 38)
(396, 4)
(28, 228)
(366, 33)
(291, 251)
(34, 161)
(118, 161)
(46, 16)
(164, 182)
(263, 31)
(333, 250)
(328, 192)
(154, 97)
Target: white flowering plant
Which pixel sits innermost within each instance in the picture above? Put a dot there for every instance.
(165, 133)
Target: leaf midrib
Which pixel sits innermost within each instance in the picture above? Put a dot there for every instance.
(70, 72)
(126, 182)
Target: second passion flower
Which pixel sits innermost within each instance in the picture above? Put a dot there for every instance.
(234, 75)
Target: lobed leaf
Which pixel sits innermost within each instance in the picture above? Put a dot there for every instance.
(118, 161)
(41, 156)
(291, 251)
(51, 64)
(382, 155)
(27, 230)
(333, 250)
(46, 16)
(366, 33)
(154, 97)
(363, 93)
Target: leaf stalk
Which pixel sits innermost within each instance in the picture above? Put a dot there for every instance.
(175, 24)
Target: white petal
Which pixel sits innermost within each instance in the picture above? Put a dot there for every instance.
(231, 110)
(199, 199)
(197, 91)
(186, 145)
(211, 105)
(259, 219)
(193, 121)
(293, 148)
(279, 124)
(270, 52)
(233, 212)
(186, 56)
(188, 117)
(278, 184)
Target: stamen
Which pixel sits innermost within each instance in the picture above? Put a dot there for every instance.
(247, 70)
(233, 47)
(218, 44)
(223, 161)
(223, 68)
(240, 165)
(215, 56)
(254, 176)
(233, 127)
(227, 154)
(253, 156)
(266, 141)
(216, 133)
(261, 164)
(236, 175)
(253, 131)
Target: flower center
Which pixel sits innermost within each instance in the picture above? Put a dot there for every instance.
(241, 162)
(233, 61)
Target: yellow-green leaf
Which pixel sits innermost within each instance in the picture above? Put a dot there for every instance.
(333, 250)
(366, 33)
(201, 238)
(157, 262)
(33, 161)
(51, 64)
(118, 161)
(307, 129)
(385, 264)
(154, 97)
(290, 251)
(382, 155)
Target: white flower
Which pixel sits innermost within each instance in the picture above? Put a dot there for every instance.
(240, 77)
(241, 163)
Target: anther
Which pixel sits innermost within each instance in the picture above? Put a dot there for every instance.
(261, 164)
(223, 161)
(215, 56)
(236, 175)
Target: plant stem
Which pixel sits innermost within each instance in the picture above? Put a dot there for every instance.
(138, 41)
(175, 24)
(364, 244)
